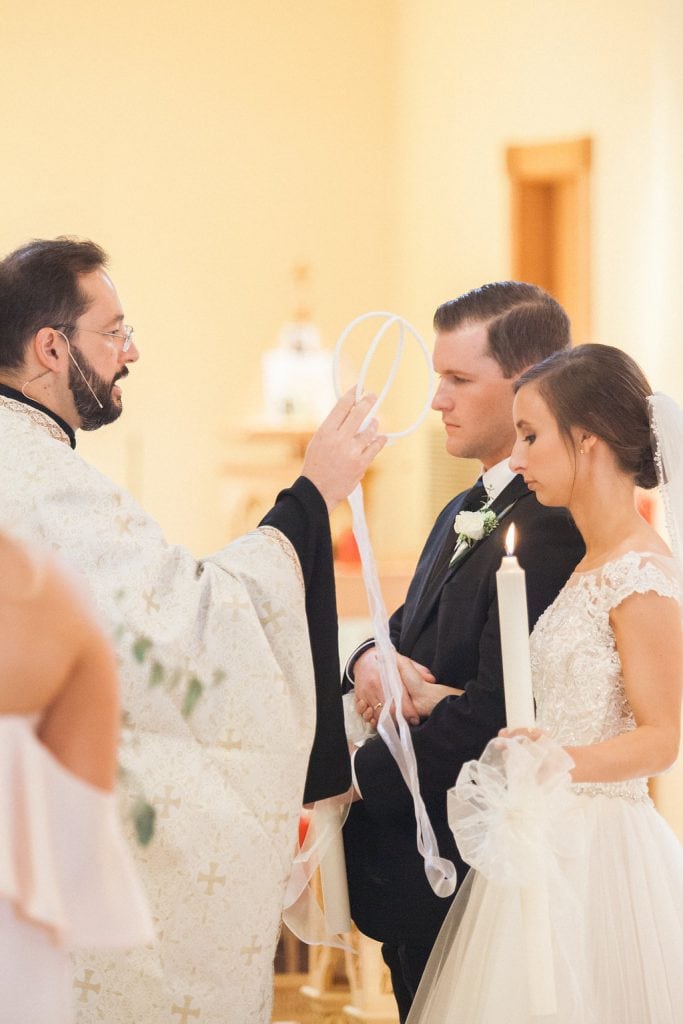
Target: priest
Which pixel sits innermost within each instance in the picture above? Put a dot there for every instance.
(229, 665)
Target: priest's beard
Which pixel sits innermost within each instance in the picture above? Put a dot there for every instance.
(91, 416)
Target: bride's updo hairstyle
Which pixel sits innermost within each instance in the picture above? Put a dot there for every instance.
(600, 389)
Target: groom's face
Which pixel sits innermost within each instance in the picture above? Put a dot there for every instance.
(473, 396)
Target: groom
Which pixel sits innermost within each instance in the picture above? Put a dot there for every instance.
(447, 633)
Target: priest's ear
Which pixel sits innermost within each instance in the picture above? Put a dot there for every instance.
(51, 349)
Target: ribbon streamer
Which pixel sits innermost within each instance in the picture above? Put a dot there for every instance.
(323, 846)
(393, 728)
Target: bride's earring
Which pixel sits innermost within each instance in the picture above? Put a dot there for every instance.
(581, 451)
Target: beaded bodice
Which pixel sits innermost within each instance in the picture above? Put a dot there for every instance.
(578, 683)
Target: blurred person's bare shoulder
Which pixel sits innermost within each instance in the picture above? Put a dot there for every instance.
(46, 627)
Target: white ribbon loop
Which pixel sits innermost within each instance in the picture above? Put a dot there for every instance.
(404, 325)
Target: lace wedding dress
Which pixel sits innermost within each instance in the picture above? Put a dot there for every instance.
(613, 867)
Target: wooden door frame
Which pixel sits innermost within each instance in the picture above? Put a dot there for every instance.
(552, 163)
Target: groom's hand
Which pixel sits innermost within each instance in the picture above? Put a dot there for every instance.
(368, 687)
(368, 691)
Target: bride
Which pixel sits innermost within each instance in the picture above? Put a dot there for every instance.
(607, 663)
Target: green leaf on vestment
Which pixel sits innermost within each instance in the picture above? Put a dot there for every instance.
(192, 695)
(141, 647)
(144, 817)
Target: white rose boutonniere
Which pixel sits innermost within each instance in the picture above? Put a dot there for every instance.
(471, 527)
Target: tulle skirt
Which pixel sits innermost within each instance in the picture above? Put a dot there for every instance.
(616, 927)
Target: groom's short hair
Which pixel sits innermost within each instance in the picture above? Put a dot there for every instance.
(525, 324)
(39, 287)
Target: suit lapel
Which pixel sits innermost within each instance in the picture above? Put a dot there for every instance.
(431, 589)
(437, 546)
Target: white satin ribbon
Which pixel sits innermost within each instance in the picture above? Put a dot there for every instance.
(395, 731)
(393, 728)
(323, 846)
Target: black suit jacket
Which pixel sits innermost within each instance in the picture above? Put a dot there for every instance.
(456, 635)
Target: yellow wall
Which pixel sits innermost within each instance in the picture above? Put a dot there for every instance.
(211, 146)
(208, 147)
(476, 78)
(479, 77)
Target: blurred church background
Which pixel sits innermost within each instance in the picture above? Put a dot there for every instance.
(253, 165)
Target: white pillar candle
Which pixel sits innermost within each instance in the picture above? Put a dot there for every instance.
(514, 638)
(333, 868)
(519, 711)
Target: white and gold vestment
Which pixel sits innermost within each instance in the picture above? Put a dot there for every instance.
(226, 781)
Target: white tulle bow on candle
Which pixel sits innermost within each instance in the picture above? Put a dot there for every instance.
(514, 818)
(514, 808)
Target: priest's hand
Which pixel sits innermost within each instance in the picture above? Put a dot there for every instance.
(338, 454)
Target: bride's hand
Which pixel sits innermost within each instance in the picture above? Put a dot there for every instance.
(422, 688)
(531, 734)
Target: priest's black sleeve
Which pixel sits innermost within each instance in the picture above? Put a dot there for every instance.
(301, 515)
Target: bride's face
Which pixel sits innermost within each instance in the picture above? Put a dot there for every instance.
(544, 456)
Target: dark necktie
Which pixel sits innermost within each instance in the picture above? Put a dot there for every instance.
(472, 502)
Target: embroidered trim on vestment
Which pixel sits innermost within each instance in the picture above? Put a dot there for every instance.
(39, 419)
(288, 548)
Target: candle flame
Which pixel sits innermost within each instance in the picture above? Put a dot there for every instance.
(510, 540)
